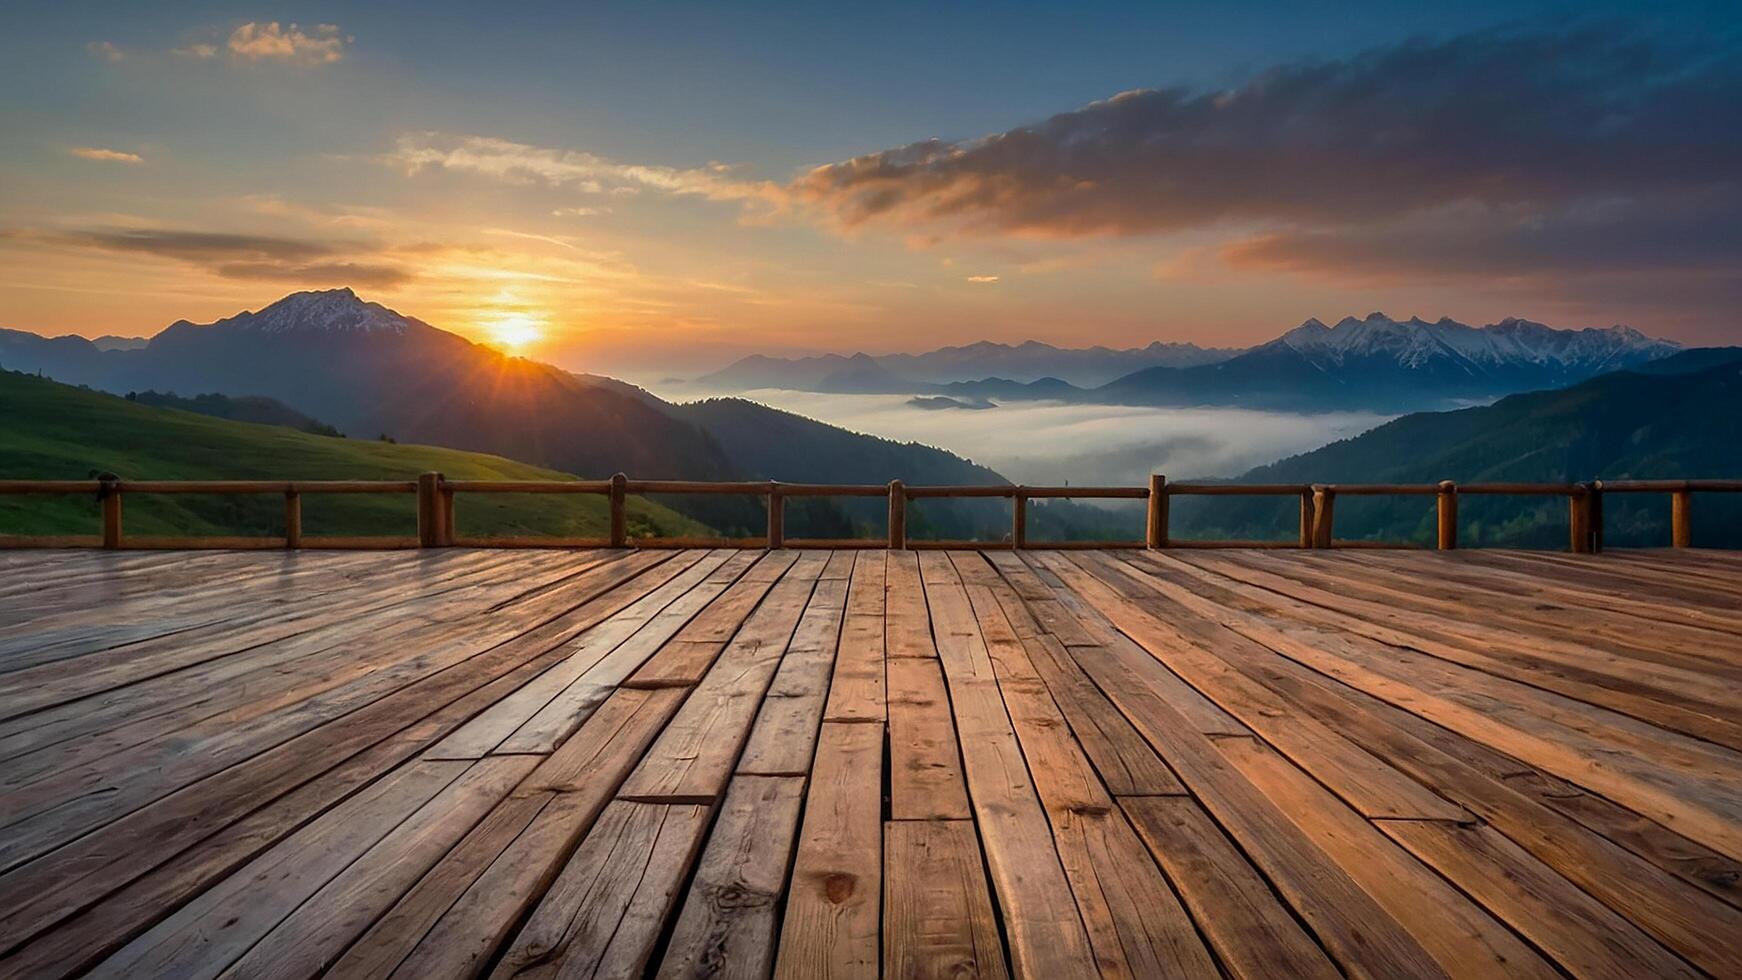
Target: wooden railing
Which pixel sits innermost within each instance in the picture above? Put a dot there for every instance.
(436, 527)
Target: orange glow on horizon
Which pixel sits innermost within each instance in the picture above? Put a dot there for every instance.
(515, 332)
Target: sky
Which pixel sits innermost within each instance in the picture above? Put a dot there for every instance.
(659, 187)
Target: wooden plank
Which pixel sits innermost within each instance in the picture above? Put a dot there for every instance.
(1684, 784)
(1252, 932)
(728, 925)
(1461, 936)
(1185, 642)
(201, 938)
(857, 690)
(1655, 891)
(1352, 925)
(68, 879)
(569, 708)
(783, 738)
(938, 922)
(906, 621)
(312, 937)
(602, 915)
(48, 812)
(831, 924)
(925, 772)
(379, 950)
(1579, 933)
(1041, 923)
(609, 623)
(83, 874)
(1559, 667)
(686, 657)
(1124, 761)
(695, 755)
(583, 774)
(1135, 923)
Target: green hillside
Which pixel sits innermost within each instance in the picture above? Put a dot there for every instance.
(1666, 424)
(57, 432)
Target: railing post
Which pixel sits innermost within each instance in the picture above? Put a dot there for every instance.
(1595, 510)
(1306, 518)
(110, 493)
(1324, 503)
(429, 513)
(1579, 518)
(619, 519)
(1447, 499)
(1681, 519)
(292, 519)
(445, 504)
(897, 515)
(1019, 518)
(1156, 529)
(776, 516)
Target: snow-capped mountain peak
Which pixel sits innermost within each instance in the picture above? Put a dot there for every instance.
(1415, 342)
(325, 311)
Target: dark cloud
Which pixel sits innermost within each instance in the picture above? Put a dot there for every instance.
(1534, 127)
(240, 256)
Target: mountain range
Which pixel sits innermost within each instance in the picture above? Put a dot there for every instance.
(1674, 418)
(1371, 364)
(1029, 361)
(370, 372)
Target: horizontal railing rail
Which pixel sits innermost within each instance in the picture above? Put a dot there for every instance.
(435, 496)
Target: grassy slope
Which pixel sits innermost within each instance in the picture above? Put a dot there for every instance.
(54, 431)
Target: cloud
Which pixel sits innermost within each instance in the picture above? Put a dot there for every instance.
(511, 162)
(110, 156)
(1499, 118)
(578, 212)
(983, 279)
(256, 41)
(197, 51)
(106, 50)
(240, 256)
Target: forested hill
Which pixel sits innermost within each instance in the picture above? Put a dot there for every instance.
(1682, 418)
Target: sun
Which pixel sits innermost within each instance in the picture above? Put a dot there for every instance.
(515, 331)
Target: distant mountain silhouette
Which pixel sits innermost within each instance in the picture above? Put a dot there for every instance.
(1679, 418)
(1373, 364)
(371, 371)
(1030, 361)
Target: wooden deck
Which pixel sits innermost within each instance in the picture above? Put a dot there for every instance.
(829, 764)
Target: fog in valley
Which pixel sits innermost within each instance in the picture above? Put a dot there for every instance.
(1045, 443)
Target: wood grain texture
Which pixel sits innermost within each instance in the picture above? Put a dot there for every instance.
(929, 763)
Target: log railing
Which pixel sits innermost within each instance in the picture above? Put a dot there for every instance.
(435, 496)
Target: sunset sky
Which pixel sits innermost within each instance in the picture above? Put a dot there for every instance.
(647, 187)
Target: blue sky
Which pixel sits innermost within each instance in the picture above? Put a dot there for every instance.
(163, 161)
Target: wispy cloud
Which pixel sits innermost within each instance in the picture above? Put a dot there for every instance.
(238, 256)
(984, 280)
(587, 172)
(108, 156)
(106, 50)
(322, 44)
(197, 50)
